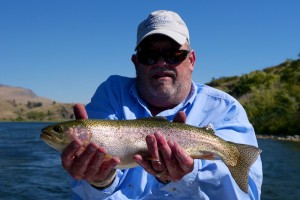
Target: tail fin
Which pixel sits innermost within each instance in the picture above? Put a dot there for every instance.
(239, 172)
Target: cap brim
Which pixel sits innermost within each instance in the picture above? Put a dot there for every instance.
(177, 37)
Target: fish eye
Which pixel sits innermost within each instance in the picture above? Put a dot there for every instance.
(58, 128)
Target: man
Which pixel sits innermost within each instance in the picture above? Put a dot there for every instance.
(163, 86)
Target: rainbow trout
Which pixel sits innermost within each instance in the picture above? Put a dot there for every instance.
(125, 138)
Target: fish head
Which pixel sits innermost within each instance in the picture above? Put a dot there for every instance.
(59, 135)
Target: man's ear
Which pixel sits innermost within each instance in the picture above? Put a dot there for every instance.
(134, 60)
(192, 58)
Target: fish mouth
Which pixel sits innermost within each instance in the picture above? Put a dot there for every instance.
(46, 136)
(53, 136)
(52, 139)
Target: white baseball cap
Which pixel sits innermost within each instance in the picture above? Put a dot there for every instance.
(163, 22)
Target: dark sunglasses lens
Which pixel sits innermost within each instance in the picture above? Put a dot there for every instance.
(171, 56)
(147, 57)
(175, 57)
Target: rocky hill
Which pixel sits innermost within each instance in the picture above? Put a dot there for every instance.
(20, 104)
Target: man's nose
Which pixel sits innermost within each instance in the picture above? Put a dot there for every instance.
(161, 61)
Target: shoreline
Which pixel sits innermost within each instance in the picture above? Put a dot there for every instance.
(290, 138)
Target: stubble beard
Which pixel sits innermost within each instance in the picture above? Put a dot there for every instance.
(163, 93)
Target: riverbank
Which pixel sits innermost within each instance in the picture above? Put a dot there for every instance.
(292, 138)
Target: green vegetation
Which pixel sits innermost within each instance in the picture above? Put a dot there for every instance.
(35, 115)
(35, 111)
(32, 104)
(271, 97)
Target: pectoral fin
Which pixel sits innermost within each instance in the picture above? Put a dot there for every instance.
(205, 155)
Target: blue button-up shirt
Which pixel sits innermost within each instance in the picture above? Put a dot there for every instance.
(117, 98)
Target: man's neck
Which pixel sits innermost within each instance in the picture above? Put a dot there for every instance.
(156, 110)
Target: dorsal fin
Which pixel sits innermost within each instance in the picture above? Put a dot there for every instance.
(209, 128)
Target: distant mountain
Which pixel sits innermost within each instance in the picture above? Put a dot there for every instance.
(19, 94)
(21, 104)
(270, 96)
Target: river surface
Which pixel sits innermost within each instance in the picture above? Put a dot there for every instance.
(29, 169)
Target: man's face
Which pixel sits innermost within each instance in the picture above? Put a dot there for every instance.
(161, 83)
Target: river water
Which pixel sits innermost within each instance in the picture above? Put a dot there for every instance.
(29, 169)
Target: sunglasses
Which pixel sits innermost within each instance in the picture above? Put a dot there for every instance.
(173, 56)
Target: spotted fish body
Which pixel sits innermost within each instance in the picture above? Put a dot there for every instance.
(125, 138)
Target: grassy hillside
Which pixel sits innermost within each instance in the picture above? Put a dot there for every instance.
(19, 104)
(271, 97)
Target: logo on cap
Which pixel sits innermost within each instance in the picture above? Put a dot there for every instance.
(157, 21)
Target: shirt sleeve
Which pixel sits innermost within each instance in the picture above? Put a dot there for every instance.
(233, 126)
(83, 190)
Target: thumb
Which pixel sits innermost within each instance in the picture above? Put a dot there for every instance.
(180, 117)
(80, 112)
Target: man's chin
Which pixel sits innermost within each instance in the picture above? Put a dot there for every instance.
(163, 91)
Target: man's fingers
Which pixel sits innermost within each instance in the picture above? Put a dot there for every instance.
(186, 161)
(95, 164)
(80, 112)
(79, 167)
(143, 162)
(169, 155)
(106, 169)
(69, 154)
(170, 161)
(153, 150)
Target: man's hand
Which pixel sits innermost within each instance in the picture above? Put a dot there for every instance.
(90, 163)
(169, 161)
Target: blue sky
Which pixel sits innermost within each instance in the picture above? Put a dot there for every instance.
(63, 49)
